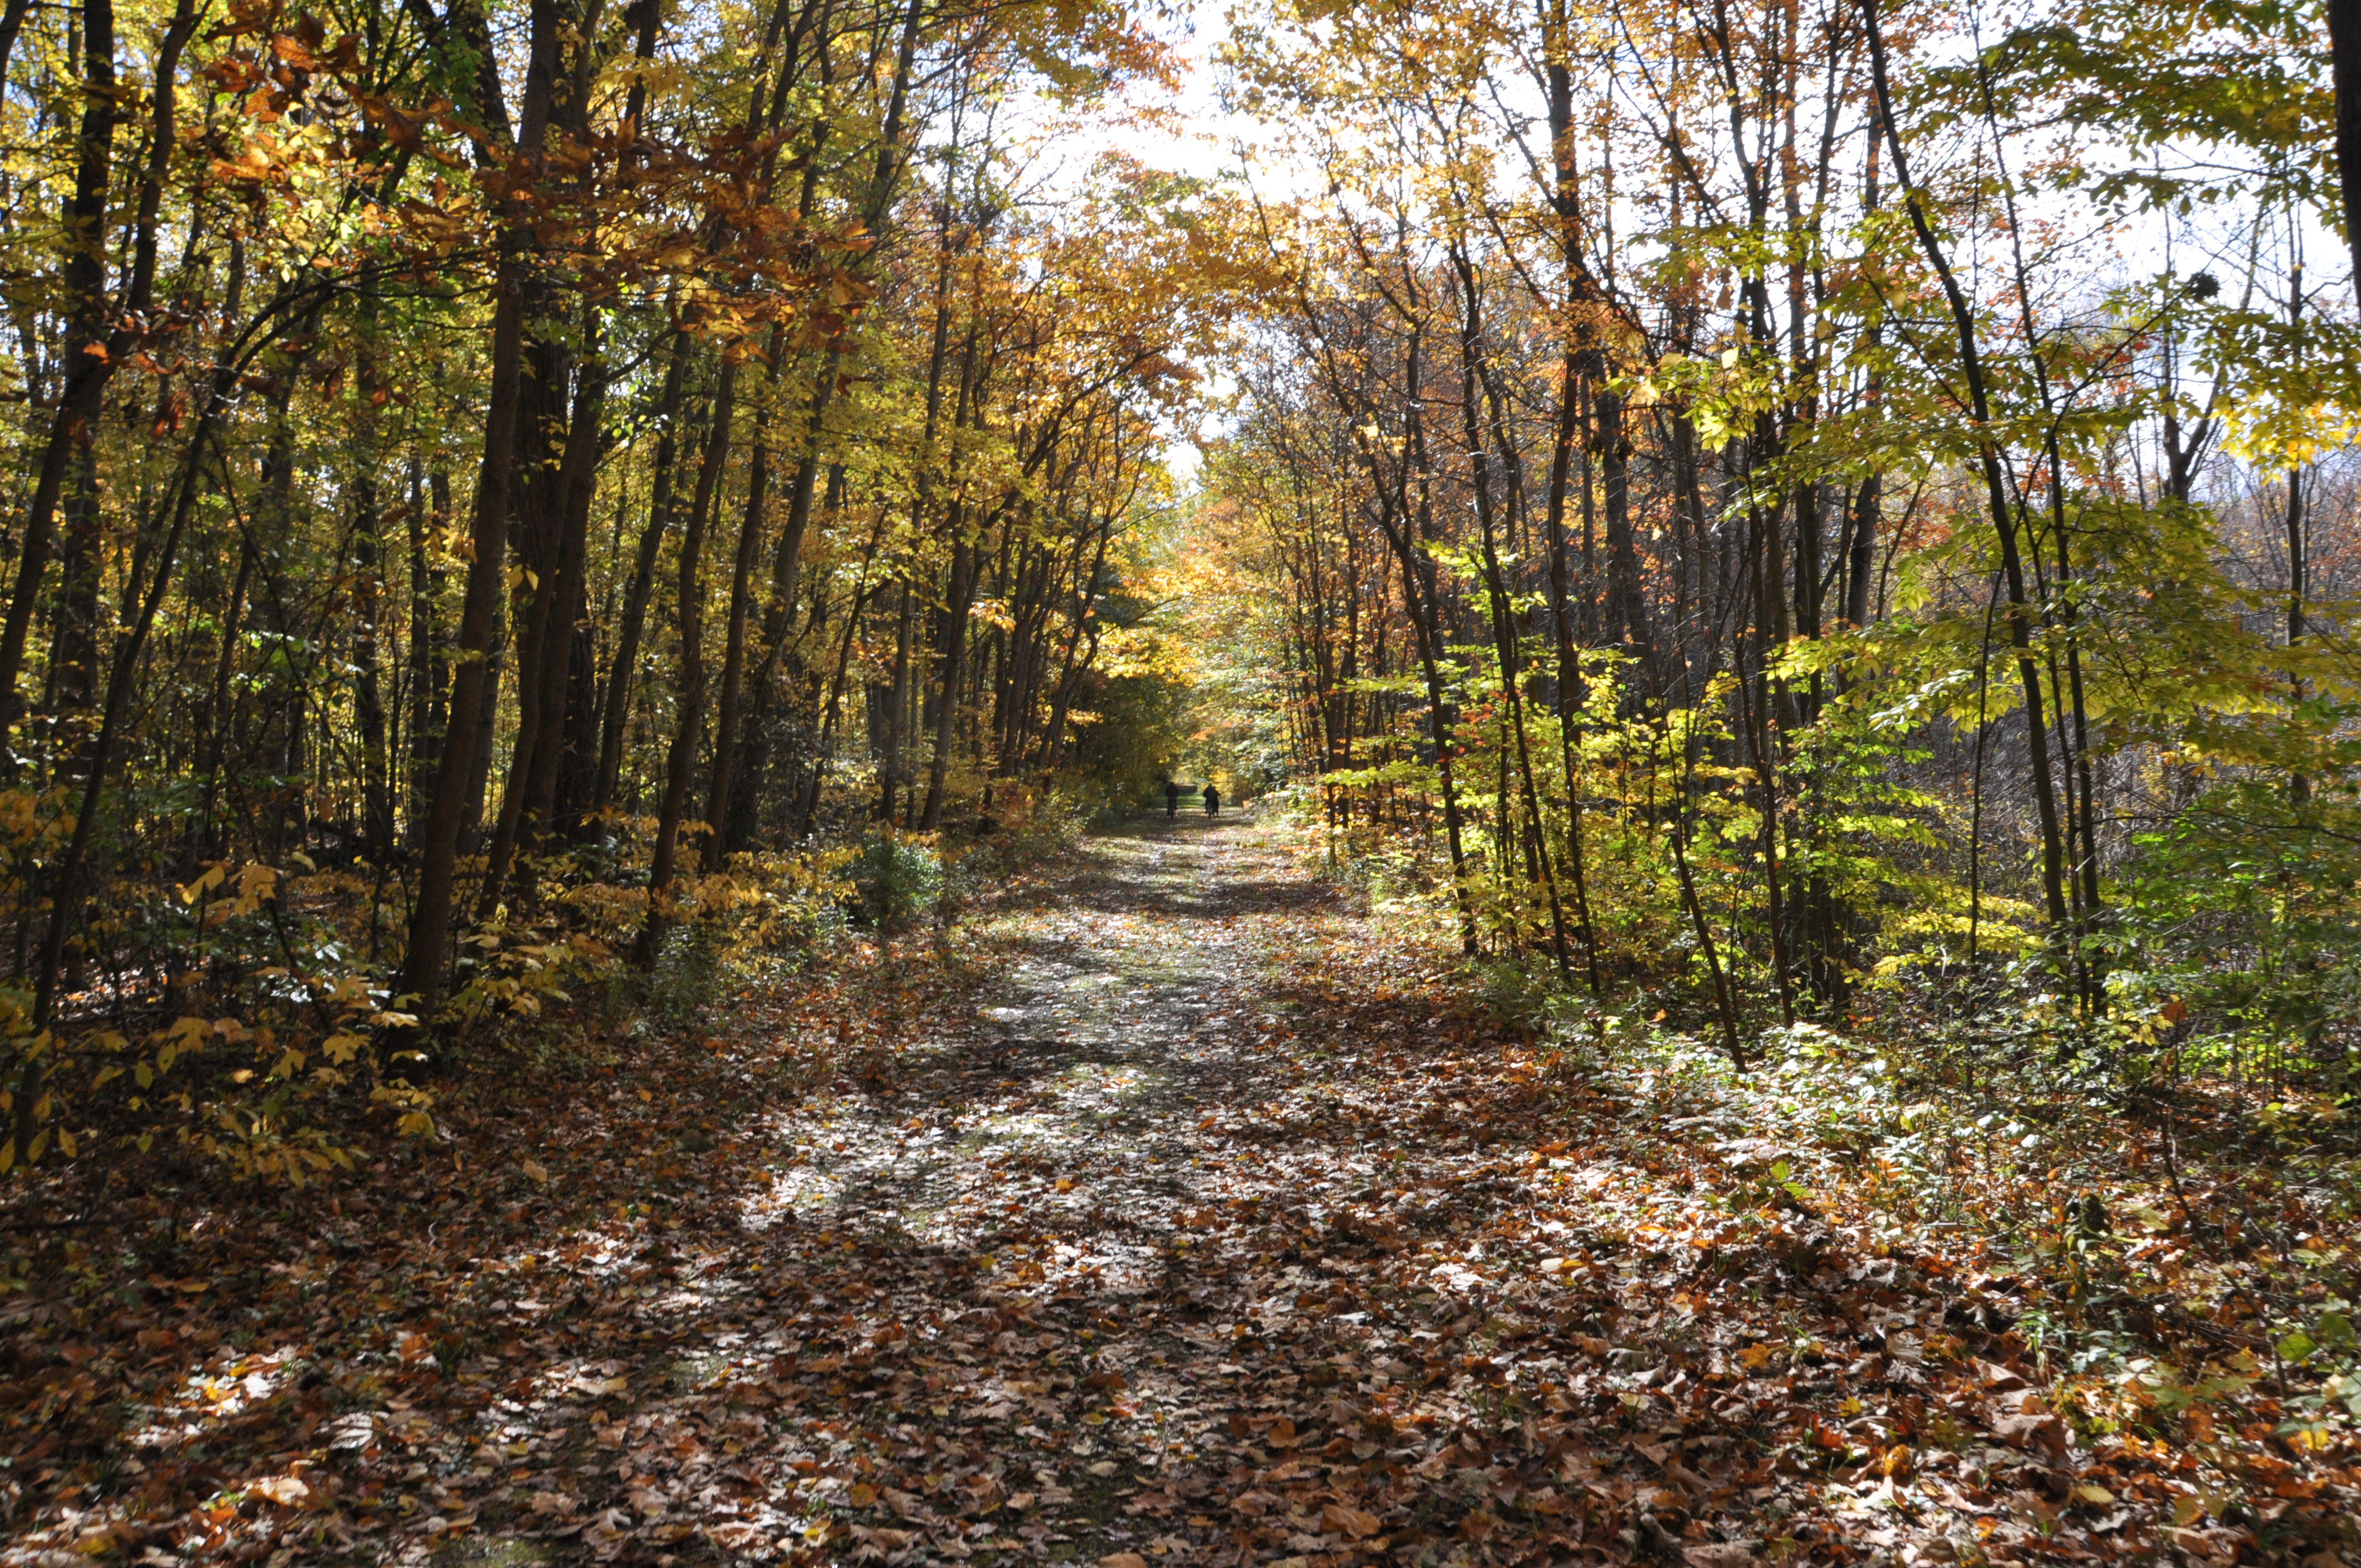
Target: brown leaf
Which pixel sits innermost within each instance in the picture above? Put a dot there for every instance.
(1999, 1378)
(1718, 1554)
(2031, 1429)
(284, 1490)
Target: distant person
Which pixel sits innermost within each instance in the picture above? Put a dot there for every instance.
(1212, 801)
(1172, 800)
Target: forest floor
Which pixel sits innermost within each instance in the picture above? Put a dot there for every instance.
(1182, 1210)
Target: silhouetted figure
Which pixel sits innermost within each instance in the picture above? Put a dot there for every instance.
(1212, 801)
(1172, 800)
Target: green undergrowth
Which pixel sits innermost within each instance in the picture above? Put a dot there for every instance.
(2164, 1216)
(2182, 1263)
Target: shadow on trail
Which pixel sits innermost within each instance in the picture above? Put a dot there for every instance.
(1211, 1228)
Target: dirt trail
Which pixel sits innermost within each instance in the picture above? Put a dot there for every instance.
(1218, 1229)
(1130, 1006)
(1205, 1223)
(1137, 1002)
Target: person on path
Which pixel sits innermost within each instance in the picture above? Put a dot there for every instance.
(1172, 800)
(1212, 800)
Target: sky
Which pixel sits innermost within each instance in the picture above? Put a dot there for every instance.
(1188, 131)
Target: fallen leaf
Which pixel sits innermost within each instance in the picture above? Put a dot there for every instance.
(2031, 1430)
(1718, 1554)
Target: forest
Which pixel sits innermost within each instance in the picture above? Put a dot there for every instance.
(633, 641)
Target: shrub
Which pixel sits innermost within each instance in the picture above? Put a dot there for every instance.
(896, 881)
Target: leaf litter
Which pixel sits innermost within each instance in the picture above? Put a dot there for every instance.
(1185, 1214)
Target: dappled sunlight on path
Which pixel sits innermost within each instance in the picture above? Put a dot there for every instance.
(1213, 1229)
(1197, 1218)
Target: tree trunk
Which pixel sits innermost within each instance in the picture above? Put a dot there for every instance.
(2345, 70)
(545, 642)
(726, 715)
(89, 364)
(430, 671)
(424, 960)
(617, 705)
(963, 593)
(2020, 617)
(368, 569)
(680, 767)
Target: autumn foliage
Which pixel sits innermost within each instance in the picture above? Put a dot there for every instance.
(589, 598)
